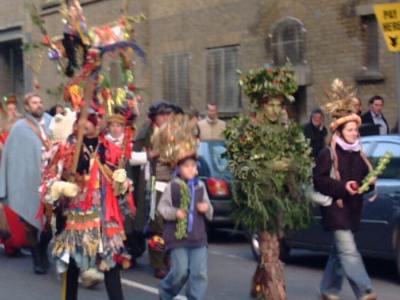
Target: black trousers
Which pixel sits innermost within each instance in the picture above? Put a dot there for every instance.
(112, 280)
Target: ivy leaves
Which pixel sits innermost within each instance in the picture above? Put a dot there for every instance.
(267, 198)
(269, 82)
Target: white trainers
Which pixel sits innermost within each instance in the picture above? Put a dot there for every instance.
(90, 278)
(370, 296)
(329, 297)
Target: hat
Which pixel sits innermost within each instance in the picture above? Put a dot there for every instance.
(10, 99)
(116, 118)
(92, 118)
(176, 109)
(269, 81)
(341, 104)
(159, 107)
(175, 140)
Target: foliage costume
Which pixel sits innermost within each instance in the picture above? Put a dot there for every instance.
(271, 164)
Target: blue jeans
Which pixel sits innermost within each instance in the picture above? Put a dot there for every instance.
(345, 261)
(187, 264)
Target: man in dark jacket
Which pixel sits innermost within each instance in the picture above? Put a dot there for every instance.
(373, 121)
(316, 132)
(158, 114)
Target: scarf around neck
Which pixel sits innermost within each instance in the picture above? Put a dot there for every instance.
(356, 147)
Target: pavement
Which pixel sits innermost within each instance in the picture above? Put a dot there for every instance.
(231, 266)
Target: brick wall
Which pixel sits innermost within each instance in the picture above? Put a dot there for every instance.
(334, 47)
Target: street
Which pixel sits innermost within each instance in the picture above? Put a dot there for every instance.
(231, 266)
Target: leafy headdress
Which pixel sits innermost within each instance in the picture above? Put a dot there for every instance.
(341, 104)
(266, 82)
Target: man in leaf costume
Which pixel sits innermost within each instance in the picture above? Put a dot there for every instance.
(271, 164)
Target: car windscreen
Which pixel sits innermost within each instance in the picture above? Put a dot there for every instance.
(392, 171)
(213, 160)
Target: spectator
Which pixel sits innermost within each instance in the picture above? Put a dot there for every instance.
(57, 109)
(316, 131)
(358, 106)
(195, 119)
(373, 120)
(11, 108)
(146, 219)
(212, 128)
(21, 172)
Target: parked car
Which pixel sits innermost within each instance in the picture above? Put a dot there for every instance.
(213, 170)
(379, 233)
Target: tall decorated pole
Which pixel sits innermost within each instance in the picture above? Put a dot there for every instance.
(271, 164)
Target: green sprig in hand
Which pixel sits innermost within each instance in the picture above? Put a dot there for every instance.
(181, 225)
(382, 164)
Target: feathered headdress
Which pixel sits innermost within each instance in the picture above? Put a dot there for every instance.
(341, 104)
(175, 140)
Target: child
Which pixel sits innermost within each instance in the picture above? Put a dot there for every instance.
(185, 206)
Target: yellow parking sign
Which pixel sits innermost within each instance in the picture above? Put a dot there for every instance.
(388, 16)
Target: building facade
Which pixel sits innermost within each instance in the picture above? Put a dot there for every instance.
(194, 49)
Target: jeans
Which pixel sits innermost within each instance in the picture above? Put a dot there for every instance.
(187, 264)
(345, 261)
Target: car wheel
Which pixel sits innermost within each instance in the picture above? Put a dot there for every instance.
(255, 248)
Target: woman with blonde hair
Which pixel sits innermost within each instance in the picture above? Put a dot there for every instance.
(338, 173)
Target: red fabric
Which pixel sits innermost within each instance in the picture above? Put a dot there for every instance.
(113, 152)
(131, 202)
(3, 137)
(17, 229)
(94, 172)
(112, 209)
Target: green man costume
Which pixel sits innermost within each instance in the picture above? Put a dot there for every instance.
(271, 164)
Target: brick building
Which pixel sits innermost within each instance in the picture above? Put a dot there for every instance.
(195, 47)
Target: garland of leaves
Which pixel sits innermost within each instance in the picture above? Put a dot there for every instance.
(266, 199)
(181, 225)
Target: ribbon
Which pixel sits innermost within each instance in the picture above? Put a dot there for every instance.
(192, 187)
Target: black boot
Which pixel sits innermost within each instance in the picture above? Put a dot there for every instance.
(38, 266)
(45, 237)
(112, 280)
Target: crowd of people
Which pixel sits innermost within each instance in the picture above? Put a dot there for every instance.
(43, 196)
(373, 123)
(125, 192)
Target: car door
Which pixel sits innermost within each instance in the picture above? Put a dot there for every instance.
(375, 233)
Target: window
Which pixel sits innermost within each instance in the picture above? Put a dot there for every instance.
(369, 33)
(383, 147)
(287, 42)
(392, 171)
(11, 68)
(370, 50)
(176, 83)
(222, 78)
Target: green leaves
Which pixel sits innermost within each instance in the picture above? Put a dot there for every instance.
(269, 82)
(264, 198)
(181, 225)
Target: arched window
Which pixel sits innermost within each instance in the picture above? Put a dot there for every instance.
(287, 40)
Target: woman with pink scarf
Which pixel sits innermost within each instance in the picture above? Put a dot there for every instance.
(350, 166)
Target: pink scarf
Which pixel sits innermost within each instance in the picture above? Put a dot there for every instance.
(356, 147)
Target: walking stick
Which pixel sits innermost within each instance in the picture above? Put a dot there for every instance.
(88, 95)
